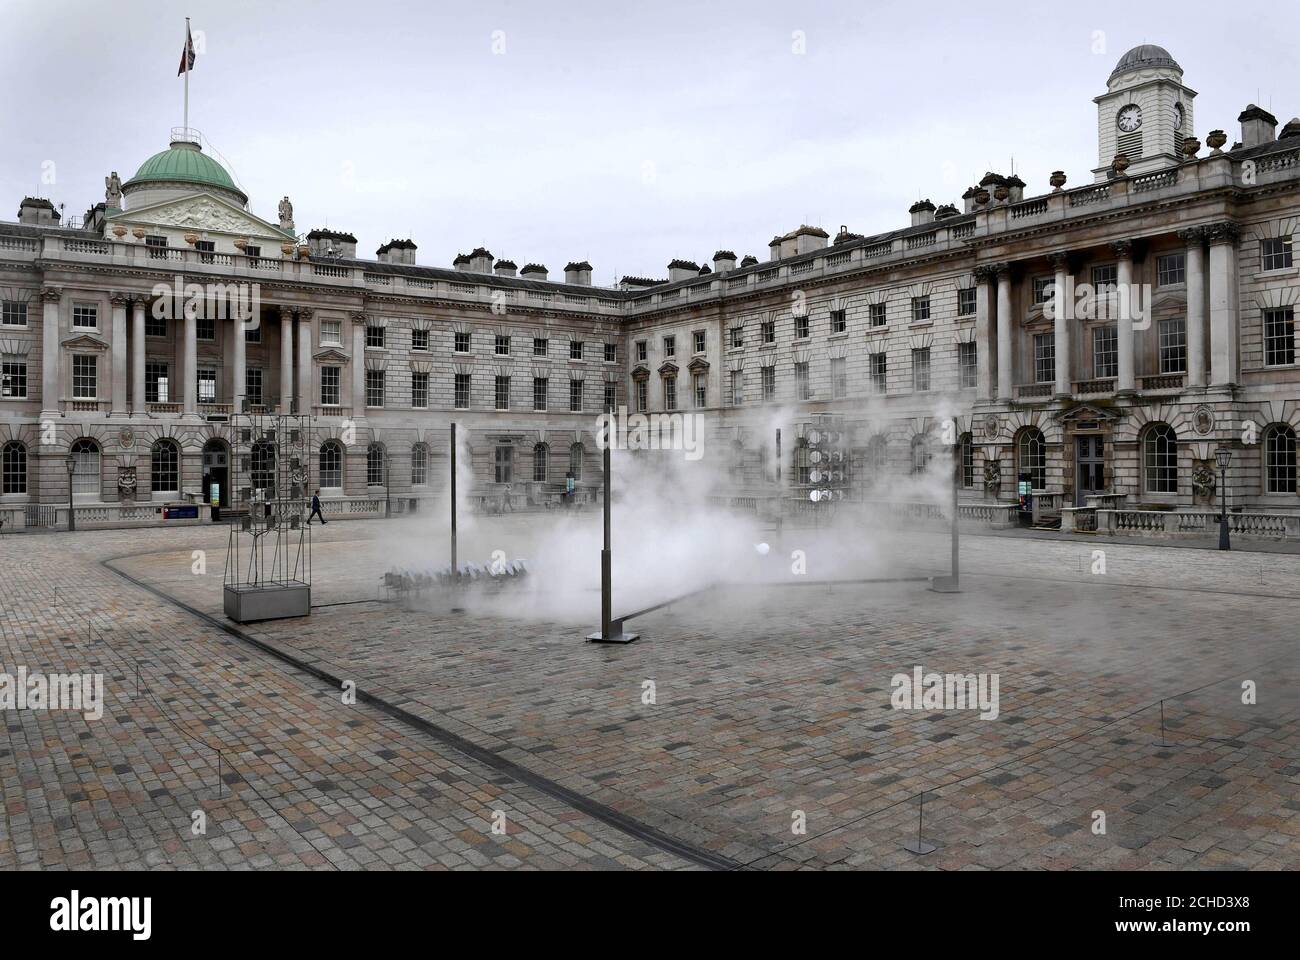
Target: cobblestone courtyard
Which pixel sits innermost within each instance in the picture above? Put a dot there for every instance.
(771, 708)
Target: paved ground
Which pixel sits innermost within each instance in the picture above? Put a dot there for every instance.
(771, 706)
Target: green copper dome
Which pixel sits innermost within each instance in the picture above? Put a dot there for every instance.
(184, 163)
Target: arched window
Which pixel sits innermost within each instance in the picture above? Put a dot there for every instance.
(1279, 459)
(1031, 457)
(165, 467)
(1160, 459)
(540, 453)
(375, 465)
(575, 461)
(331, 464)
(262, 467)
(967, 461)
(13, 468)
(419, 465)
(85, 482)
(920, 454)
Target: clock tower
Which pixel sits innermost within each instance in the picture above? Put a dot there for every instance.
(1145, 112)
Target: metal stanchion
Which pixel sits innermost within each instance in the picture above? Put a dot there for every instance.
(611, 630)
(951, 583)
(919, 846)
(455, 570)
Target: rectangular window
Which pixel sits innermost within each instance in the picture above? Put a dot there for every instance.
(642, 396)
(921, 369)
(575, 349)
(374, 388)
(253, 386)
(700, 383)
(839, 378)
(737, 387)
(462, 343)
(967, 365)
(641, 351)
(839, 321)
(207, 386)
(1279, 337)
(737, 336)
(419, 340)
(154, 326)
(610, 398)
(1044, 287)
(539, 346)
(252, 251)
(768, 330)
(205, 328)
(462, 391)
(1275, 253)
(700, 341)
(879, 371)
(575, 396)
(1105, 352)
(502, 346)
(329, 386)
(13, 379)
(13, 314)
(876, 314)
(504, 464)
(802, 389)
(1173, 345)
(156, 245)
(611, 353)
(670, 393)
(769, 384)
(374, 337)
(157, 385)
(503, 393)
(539, 392)
(253, 334)
(670, 346)
(966, 301)
(1171, 269)
(1106, 275)
(85, 378)
(205, 247)
(920, 309)
(85, 315)
(1044, 357)
(801, 327)
(419, 390)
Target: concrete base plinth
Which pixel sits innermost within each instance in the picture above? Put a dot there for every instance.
(245, 603)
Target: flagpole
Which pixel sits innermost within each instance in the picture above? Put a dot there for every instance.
(185, 55)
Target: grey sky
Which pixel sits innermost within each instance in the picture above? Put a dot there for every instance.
(623, 134)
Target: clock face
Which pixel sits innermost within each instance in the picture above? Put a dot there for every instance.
(1130, 118)
(1178, 116)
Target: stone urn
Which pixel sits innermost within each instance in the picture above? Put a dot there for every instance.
(1120, 164)
(982, 196)
(1215, 139)
(191, 238)
(286, 249)
(1001, 192)
(139, 233)
(1057, 180)
(304, 251)
(1190, 146)
(241, 244)
(119, 231)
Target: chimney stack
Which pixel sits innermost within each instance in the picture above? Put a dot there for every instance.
(324, 243)
(1258, 126)
(38, 211)
(682, 270)
(505, 268)
(922, 212)
(723, 261)
(480, 260)
(397, 251)
(461, 263)
(578, 273)
(533, 271)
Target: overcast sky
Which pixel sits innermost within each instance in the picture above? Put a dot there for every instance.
(623, 134)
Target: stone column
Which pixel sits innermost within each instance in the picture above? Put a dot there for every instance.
(50, 298)
(118, 361)
(189, 381)
(1062, 317)
(358, 365)
(239, 360)
(1222, 238)
(304, 360)
(1195, 237)
(137, 354)
(1005, 363)
(1127, 382)
(984, 345)
(286, 359)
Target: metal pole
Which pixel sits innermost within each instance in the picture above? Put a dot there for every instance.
(956, 484)
(454, 569)
(1224, 542)
(606, 569)
(72, 514)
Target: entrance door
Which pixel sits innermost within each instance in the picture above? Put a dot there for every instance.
(216, 470)
(1091, 467)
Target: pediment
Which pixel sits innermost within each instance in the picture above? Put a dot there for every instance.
(697, 365)
(1086, 411)
(640, 372)
(330, 355)
(83, 341)
(202, 211)
(668, 369)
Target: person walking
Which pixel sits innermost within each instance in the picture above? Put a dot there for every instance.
(315, 509)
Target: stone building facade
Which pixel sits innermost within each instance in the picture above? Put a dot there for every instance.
(1100, 341)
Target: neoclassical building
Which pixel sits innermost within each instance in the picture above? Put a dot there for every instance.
(1098, 341)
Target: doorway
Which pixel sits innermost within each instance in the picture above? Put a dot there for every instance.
(1090, 469)
(216, 472)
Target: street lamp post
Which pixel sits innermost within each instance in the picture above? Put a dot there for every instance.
(71, 463)
(1223, 456)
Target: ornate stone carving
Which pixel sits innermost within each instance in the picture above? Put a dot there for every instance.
(991, 426)
(1215, 139)
(286, 214)
(1122, 248)
(1192, 235)
(1057, 180)
(113, 190)
(1203, 421)
(126, 483)
(1225, 232)
(1203, 481)
(985, 273)
(51, 294)
(126, 438)
(1058, 260)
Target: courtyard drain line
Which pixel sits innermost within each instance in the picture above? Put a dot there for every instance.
(489, 758)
